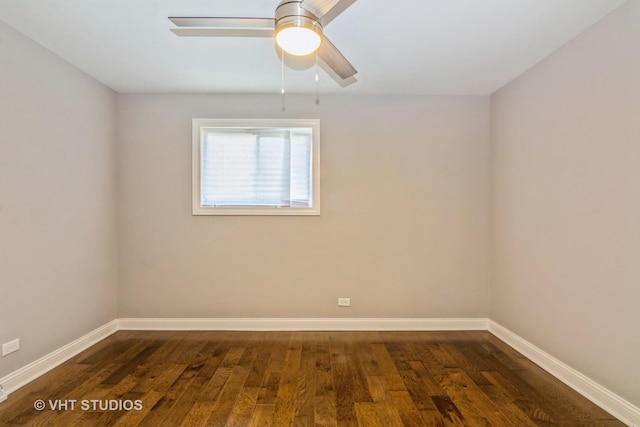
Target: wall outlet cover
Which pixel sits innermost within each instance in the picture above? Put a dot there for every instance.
(10, 347)
(344, 302)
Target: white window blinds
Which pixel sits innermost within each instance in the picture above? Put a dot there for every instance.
(256, 167)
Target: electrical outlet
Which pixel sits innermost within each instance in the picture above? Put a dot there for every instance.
(344, 302)
(10, 347)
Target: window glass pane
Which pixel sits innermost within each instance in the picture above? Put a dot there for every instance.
(256, 167)
(301, 169)
(228, 168)
(274, 160)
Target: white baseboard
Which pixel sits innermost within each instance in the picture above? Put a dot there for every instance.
(33, 370)
(604, 398)
(318, 324)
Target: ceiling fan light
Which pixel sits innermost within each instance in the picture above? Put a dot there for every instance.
(298, 41)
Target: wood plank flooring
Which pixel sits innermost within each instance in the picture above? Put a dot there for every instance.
(136, 378)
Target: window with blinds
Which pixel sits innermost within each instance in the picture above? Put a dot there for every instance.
(256, 167)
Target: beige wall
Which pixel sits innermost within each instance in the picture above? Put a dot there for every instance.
(403, 230)
(566, 203)
(57, 201)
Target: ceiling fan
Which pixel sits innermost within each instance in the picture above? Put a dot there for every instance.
(297, 28)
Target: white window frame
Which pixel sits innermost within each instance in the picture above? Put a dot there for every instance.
(197, 127)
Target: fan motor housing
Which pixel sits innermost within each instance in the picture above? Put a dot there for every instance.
(290, 13)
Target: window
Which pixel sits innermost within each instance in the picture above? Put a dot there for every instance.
(256, 167)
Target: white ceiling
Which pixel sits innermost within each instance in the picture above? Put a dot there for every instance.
(456, 47)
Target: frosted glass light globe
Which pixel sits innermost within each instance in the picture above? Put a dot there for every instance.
(298, 41)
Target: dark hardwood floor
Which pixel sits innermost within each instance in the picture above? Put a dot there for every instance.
(300, 378)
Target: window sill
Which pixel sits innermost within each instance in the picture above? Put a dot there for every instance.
(256, 211)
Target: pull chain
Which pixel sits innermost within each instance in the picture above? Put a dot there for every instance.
(317, 82)
(282, 76)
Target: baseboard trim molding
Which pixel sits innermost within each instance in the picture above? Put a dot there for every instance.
(33, 370)
(310, 324)
(606, 399)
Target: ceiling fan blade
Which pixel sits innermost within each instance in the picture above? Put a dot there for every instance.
(336, 11)
(319, 7)
(222, 32)
(335, 60)
(225, 23)
(223, 27)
